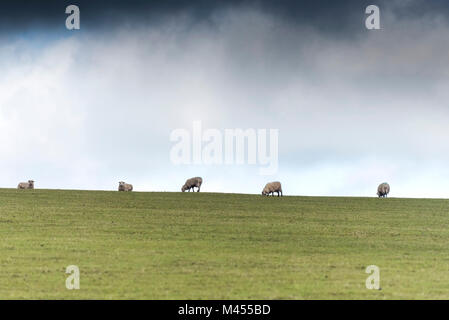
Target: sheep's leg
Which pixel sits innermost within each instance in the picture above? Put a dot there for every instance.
(198, 189)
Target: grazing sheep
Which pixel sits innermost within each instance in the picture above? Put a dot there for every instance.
(272, 187)
(192, 183)
(122, 186)
(383, 189)
(26, 185)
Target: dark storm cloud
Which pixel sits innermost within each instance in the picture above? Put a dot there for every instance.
(334, 17)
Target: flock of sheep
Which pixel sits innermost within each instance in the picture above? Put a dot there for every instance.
(270, 188)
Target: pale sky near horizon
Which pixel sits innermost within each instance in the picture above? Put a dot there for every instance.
(353, 107)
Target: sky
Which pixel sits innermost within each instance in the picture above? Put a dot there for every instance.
(84, 109)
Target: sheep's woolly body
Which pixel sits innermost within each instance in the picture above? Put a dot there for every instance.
(192, 183)
(26, 185)
(122, 186)
(383, 189)
(272, 187)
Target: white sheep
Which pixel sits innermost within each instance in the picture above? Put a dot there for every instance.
(272, 187)
(122, 186)
(383, 190)
(26, 185)
(192, 183)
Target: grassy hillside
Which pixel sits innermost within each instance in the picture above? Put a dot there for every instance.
(213, 246)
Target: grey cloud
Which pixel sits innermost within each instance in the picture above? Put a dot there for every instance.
(352, 112)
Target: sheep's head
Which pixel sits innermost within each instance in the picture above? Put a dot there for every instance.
(184, 188)
(265, 191)
(121, 183)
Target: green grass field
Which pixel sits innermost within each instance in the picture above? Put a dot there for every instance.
(220, 246)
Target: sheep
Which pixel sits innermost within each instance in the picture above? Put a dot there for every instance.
(272, 187)
(383, 189)
(26, 185)
(122, 186)
(192, 183)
